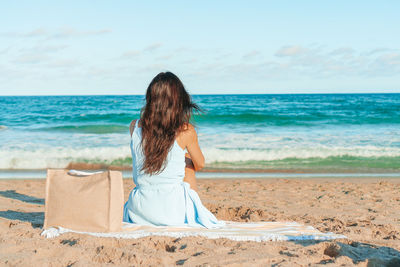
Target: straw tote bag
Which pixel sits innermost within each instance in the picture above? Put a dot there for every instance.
(83, 201)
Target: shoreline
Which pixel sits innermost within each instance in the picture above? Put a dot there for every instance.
(394, 180)
(242, 174)
(241, 169)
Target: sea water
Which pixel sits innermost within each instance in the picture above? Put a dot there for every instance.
(313, 133)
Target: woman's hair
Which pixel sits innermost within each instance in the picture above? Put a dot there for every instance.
(168, 108)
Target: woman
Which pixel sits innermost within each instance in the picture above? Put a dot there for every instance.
(159, 140)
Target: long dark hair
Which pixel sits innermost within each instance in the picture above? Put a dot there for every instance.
(167, 110)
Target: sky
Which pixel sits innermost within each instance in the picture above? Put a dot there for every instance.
(215, 47)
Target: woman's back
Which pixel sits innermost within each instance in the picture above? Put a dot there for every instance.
(174, 170)
(164, 198)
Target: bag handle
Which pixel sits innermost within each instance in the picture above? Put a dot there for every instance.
(82, 173)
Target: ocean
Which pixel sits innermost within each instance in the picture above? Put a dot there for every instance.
(297, 133)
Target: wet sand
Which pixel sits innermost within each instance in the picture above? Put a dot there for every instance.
(366, 210)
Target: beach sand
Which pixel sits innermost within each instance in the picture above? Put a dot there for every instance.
(367, 211)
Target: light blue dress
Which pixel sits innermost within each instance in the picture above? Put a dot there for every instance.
(164, 199)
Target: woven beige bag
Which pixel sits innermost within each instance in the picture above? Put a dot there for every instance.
(81, 202)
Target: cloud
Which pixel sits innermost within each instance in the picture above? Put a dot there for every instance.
(342, 51)
(37, 54)
(310, 61)
(5, 50)
(153, 68)
(31, 59)
(138, 52)
(63, 63)
(287, 62)
(55, 34)
(180, 53)
(165, 57)
(130, 54)
(190, 61)
(44, 48)
(387, 64)
(34, 33)
(251, 54)
(390, 58)
(320, 62)
(152, 47)
(290, 51)
(296, 62)
(99, 72)
(69, 32)
(378, 51)
(222, 56)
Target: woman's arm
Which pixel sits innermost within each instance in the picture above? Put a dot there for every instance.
(190, 176)
(193, 148)
(194, 159)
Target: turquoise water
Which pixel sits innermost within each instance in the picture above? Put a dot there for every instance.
(313, 133)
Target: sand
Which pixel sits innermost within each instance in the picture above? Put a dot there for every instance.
(367, 211)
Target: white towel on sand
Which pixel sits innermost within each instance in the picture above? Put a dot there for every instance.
(259, 231)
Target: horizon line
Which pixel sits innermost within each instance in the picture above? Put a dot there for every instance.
(357, 93)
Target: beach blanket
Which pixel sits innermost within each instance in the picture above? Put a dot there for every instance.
(257, 231)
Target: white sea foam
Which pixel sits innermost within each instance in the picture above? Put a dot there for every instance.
(231, 148)
(235, 155)
(59, 157)
(301, 145)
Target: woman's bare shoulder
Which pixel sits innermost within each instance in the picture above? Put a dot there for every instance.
(188, 129)
(188, 133)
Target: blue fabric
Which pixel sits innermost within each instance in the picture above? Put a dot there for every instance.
(164, 199)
